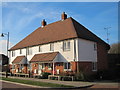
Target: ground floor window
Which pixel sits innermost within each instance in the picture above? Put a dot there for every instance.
(94, 66)
(67, 65)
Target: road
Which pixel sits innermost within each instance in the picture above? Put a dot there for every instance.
(6, 84)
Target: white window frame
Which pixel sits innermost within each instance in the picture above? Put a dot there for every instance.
(40, 49)
(66, 45)
(94, 66)
(0, 62)
(68, 68)
(20, 51)
(95, 46)
(51, 46)
(29, 51)
(13, 53)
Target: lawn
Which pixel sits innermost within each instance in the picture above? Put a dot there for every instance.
(36, 83)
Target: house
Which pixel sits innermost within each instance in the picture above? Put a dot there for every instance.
(64, 46)
(3, 62)
(113, 66)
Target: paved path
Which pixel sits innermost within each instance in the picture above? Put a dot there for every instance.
(106, 85)
(72, 83)
(77, 84)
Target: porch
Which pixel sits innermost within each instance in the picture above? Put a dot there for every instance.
(51, 63)
(19, 65)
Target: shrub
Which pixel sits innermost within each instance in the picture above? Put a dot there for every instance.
(67, 79)
(79, 76)
(45, 75)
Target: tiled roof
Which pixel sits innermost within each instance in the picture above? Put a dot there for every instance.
(44, 57)
(18, 59)
(57, 31)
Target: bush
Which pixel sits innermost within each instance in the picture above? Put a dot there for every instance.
(45, 75)
(80, 76)
(67, 78)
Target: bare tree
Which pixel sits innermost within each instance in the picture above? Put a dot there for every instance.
(115, 48)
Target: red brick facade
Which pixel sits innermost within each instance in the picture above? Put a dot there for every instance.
(75, 67)
(17, 68)
(102, 57)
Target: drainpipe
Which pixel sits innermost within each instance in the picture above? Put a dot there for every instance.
(26, 58)
(75, 53)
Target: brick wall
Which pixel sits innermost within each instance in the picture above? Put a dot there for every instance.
(102, 57)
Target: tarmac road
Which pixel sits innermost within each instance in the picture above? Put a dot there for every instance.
(8, 85)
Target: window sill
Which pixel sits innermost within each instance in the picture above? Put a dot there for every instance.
(94, 70)
(67, 69)
(49, 69)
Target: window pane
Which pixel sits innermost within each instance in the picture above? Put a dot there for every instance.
(69, 65)
(40, 50)
(51, 47)
(20, 51)
(65, 65)
(29, 51)
(66, 45)
(94, 66)
(95, 46)
(13, 53)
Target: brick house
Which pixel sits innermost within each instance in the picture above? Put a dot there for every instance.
(61, 47)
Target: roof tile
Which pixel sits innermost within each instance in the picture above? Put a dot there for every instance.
(44, 57)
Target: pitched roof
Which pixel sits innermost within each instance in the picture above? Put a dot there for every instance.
(18, 59)
(44, 57)
(57, 31)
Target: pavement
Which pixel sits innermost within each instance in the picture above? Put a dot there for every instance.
(111, 85)
(77, 84)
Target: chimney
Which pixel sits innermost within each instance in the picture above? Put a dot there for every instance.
(63, 16)
(43, 23)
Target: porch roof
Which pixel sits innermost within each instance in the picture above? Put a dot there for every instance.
(44, 57)
(20, 60)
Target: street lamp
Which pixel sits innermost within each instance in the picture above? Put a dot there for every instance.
(3, 35)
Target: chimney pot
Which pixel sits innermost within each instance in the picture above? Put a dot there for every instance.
(43, 23)
(63, 16)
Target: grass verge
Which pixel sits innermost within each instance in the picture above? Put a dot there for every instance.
(36, 83)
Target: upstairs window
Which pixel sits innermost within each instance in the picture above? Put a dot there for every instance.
(13, 53)
(40, 49)
(94, 66)
(0, 62)
(29, 51)
(66, 45)
(95, 46)
(20, 51)
(52, 47)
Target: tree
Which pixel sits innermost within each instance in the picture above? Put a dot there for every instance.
(114, 48)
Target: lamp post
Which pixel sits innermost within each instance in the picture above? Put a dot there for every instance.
(3, 35)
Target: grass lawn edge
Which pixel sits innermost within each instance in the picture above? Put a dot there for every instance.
(36, 83)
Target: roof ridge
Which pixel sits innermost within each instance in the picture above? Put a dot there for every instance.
(73, 25)
(87, 30)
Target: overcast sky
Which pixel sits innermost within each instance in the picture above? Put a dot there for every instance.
(22, 18)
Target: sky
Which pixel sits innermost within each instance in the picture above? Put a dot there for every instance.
(22, 18)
